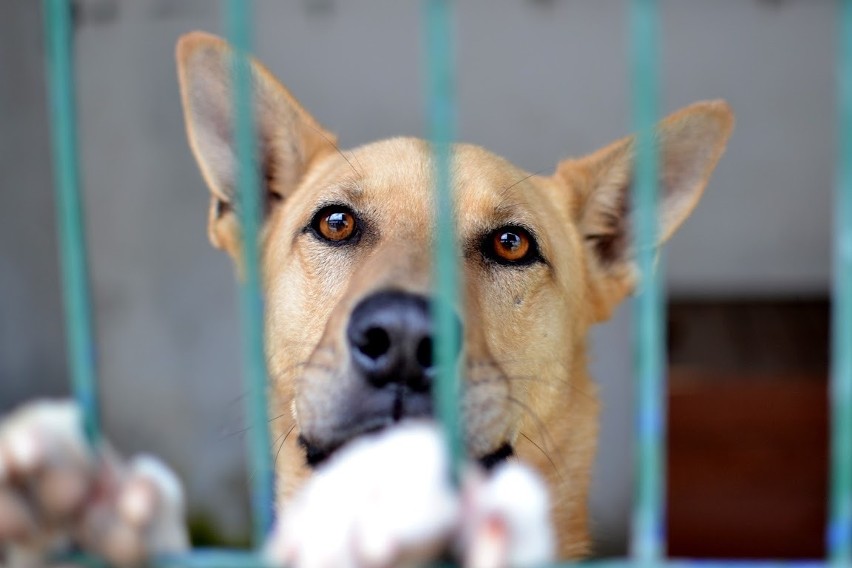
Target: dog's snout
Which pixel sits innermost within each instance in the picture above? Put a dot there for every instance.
(390, 337)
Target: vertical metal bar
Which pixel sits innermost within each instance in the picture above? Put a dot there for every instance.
(647, 545)
(440, 82)
(69, 212)
(238, 24)
(839, 533)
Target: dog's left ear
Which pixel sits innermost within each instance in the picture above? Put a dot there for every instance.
(289, 139)
(690, 143)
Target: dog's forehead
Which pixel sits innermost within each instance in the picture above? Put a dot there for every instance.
(398, 174)
(490, 189)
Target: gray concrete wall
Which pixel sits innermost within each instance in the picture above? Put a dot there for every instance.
(539, 80)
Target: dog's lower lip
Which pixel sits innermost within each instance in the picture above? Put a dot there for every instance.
(498, 456)
(316, 455)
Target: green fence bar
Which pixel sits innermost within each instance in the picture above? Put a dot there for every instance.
(440, 84)
(647, 542)
(69, 212)
(839, 533)
(238, 24)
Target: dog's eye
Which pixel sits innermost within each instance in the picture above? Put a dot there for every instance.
(510, 245)
(335, 223)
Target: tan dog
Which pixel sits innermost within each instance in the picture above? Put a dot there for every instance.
(346, 250)
(346, 259)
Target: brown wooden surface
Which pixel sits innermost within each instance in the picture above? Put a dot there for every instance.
(747, 462)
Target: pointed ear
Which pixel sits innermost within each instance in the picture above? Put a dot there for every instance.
(289, 139)
(690, 143)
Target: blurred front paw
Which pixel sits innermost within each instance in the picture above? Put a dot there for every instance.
(381, 501)
(387, 500)
(56, 491)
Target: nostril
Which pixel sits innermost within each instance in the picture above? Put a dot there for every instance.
(376, 343)
(424, 353)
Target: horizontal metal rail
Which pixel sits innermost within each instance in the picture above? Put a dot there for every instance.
(225, 558)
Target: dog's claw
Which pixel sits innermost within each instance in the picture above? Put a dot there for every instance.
(56, 490)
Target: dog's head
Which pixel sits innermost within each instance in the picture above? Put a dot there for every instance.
(347, 242)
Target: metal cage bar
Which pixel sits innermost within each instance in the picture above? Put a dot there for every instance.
(839, 531)
(647, 539)
(79, 333)
(441, 114)
(239, 29)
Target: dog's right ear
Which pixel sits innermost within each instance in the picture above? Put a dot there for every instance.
(289, 139)
(690, 143)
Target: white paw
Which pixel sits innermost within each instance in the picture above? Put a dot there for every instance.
(387, 501)
(380, 501)
(55, 491)
(506, 519)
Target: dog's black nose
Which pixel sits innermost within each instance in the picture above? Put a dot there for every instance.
(390, 336)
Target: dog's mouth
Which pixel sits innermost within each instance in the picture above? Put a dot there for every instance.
(316, 455)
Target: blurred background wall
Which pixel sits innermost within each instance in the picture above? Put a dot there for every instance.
(539, 80)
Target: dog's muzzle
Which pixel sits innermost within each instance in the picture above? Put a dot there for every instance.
(390, 338)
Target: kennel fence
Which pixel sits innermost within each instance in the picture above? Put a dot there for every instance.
(648, 525)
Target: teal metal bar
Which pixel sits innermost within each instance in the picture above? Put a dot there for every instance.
(647, 542)
(839, 533)
(440, 81)
(199, 557)
(238, 23)
(69, 213)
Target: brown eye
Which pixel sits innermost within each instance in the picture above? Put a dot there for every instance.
(511, 245)
(335, 223)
